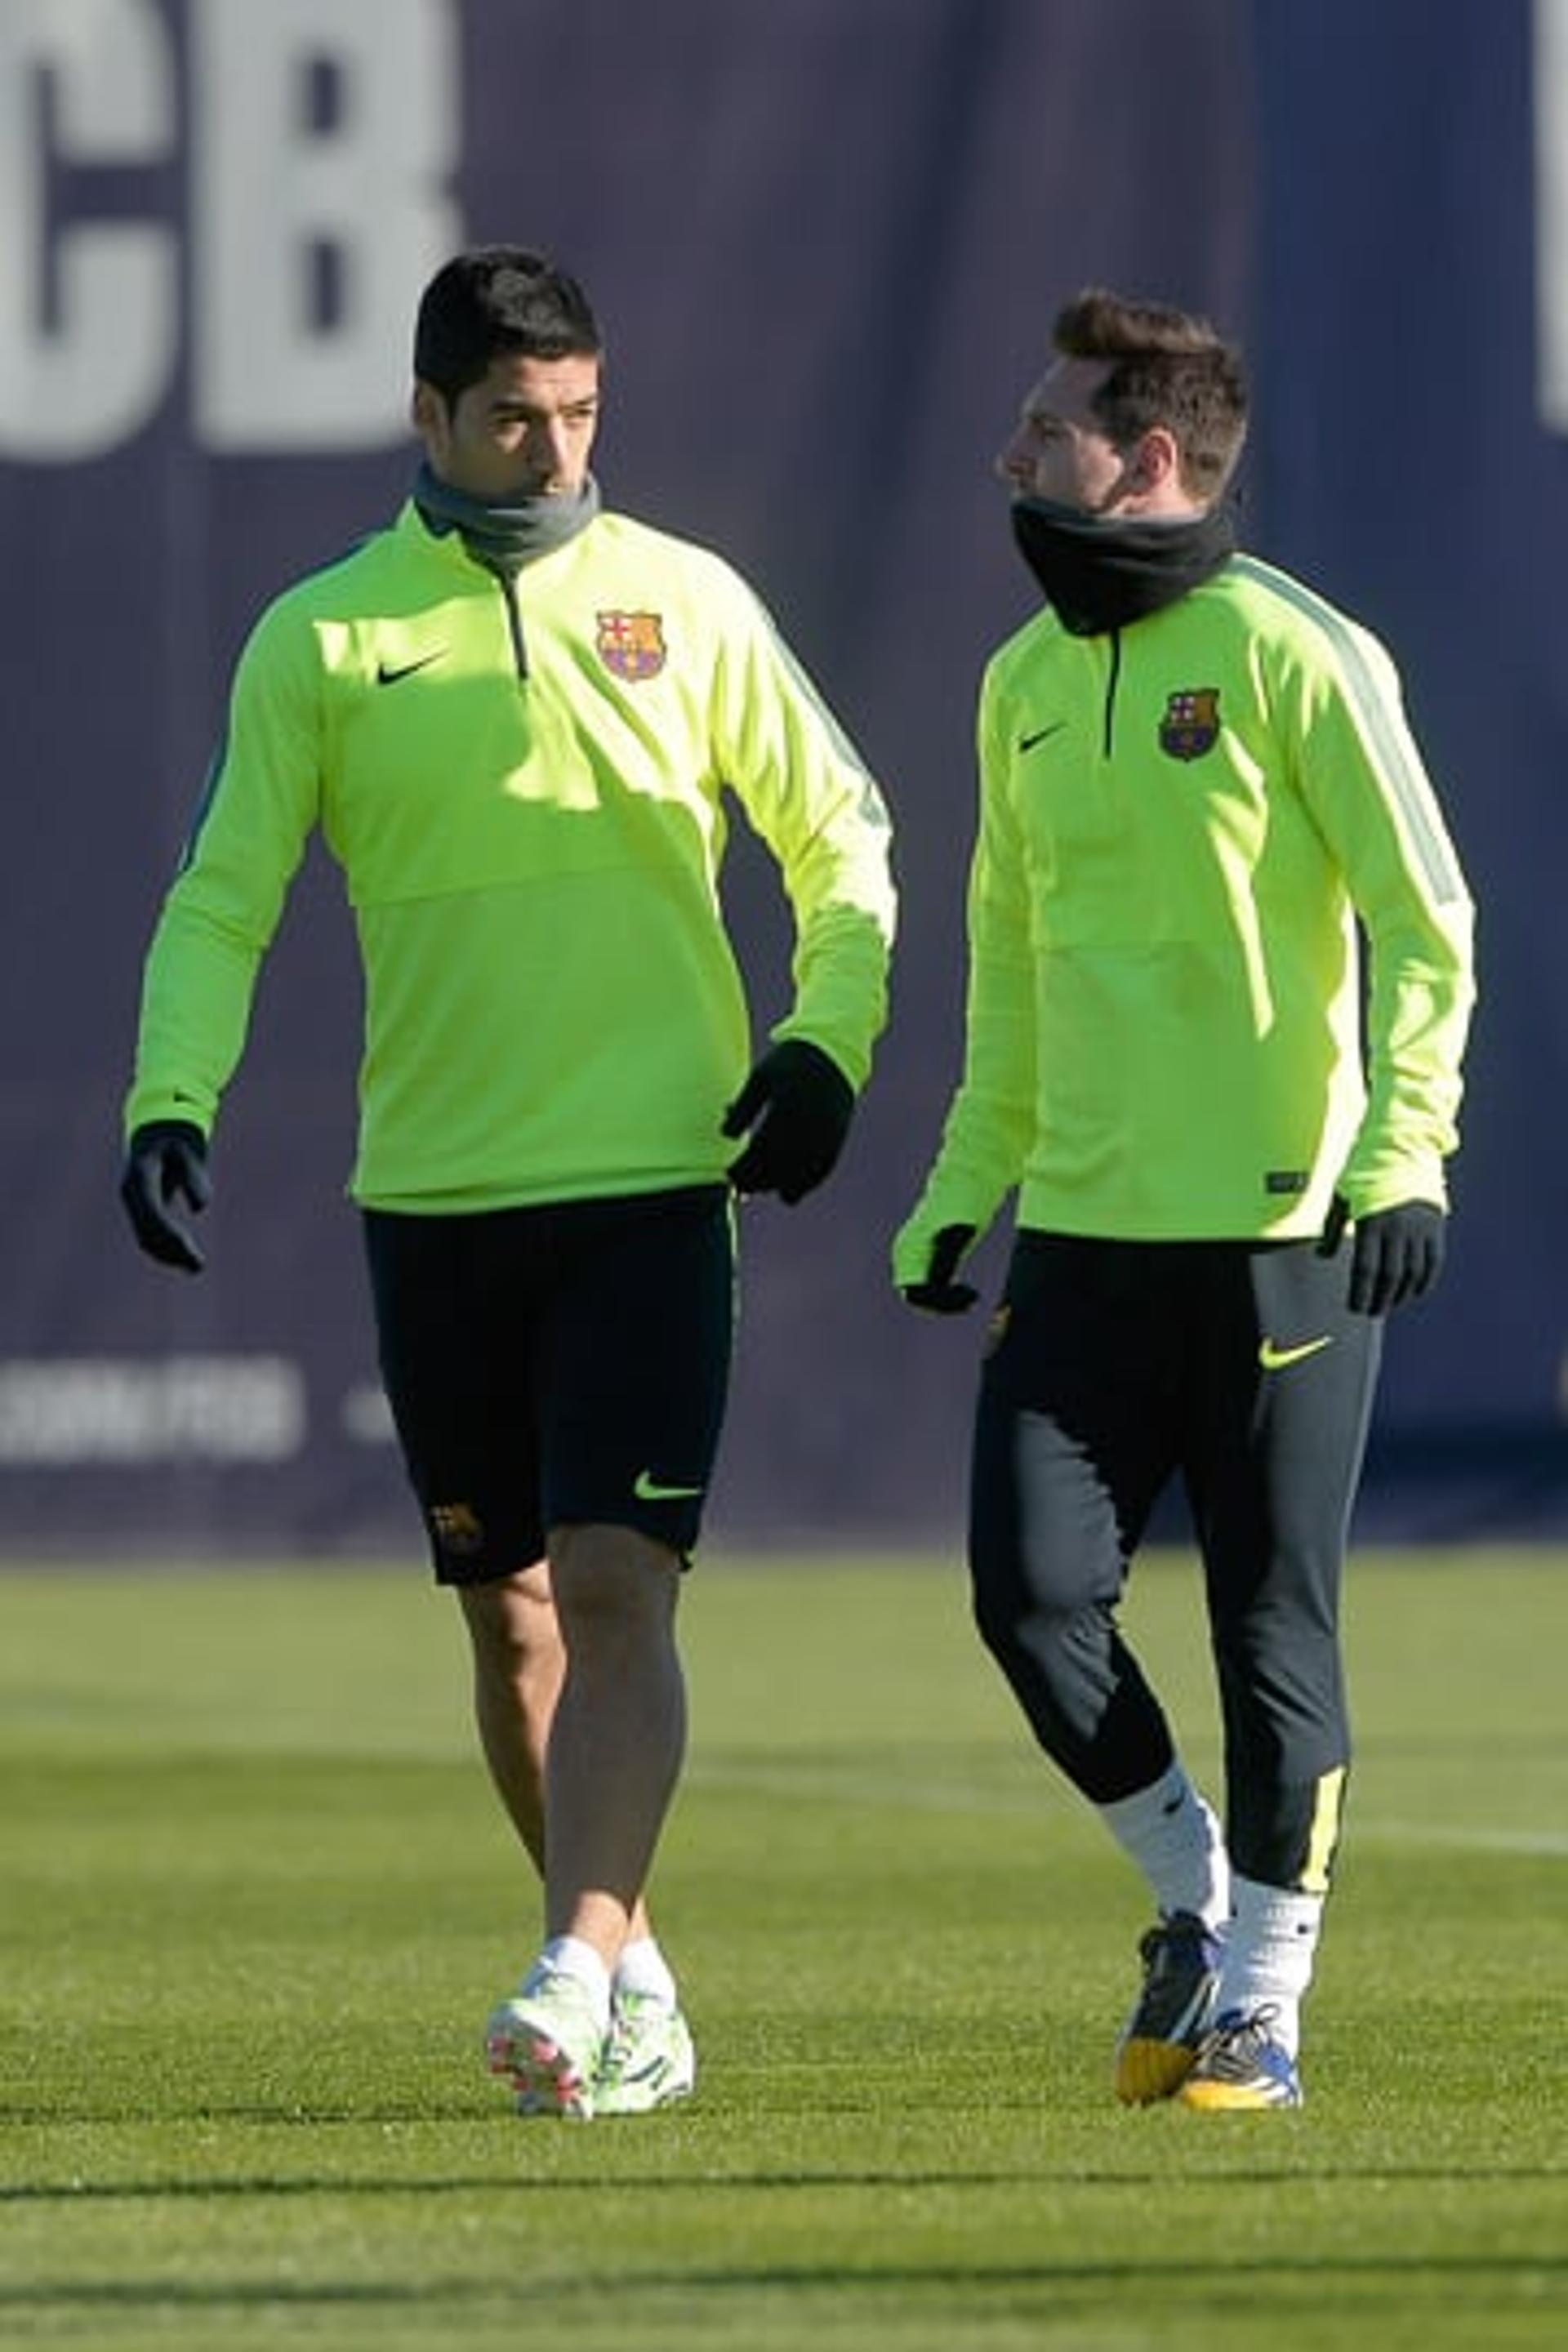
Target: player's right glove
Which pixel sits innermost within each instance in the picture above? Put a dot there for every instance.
(166, 1158)
(938, 1293)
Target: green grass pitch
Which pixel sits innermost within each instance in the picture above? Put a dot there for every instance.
(255, 1900)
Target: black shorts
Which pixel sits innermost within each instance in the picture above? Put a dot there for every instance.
(555, 1366)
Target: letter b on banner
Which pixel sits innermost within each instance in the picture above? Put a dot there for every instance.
(326, 131)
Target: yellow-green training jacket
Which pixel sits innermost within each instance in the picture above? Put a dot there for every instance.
(530, 826)
(1180, 824)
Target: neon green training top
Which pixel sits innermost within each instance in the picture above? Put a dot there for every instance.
(1180, 823)
(531, 831)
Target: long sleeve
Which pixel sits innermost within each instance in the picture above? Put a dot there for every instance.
(991, 1121)
(223, 905)
(1363, 777)
(811, 798)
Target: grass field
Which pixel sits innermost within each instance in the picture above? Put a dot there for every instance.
(256, 1902)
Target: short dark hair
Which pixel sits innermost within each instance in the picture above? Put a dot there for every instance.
(1166, 367)
(492, 299)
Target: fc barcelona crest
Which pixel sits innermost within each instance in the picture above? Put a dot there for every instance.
(631, 644)
(1191, 724)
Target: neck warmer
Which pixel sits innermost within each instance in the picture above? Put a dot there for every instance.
(503, 537)
(1099, 572)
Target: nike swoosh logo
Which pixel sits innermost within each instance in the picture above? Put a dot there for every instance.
(389, 673)
(1274, 1360)
(649, 1489)
(1027, 742)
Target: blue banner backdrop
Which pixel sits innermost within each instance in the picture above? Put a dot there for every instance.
(1411, 334)
(826, 244)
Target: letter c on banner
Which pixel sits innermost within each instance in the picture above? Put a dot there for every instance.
(88, 313)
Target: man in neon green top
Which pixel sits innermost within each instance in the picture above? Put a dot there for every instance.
(1195, 782)
(512, 716)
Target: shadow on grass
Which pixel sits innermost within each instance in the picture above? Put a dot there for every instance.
(598, 2184)
(1460, 2269)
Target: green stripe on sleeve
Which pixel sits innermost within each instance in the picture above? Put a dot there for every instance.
(1396, 758)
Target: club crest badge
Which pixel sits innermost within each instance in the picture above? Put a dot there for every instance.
(457, 1528)
(1191, 724)
(631, 644)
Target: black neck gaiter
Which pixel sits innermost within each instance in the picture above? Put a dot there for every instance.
(1099, 572)
(503, 537)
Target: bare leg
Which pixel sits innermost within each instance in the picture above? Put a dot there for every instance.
(518, 1665)
(618, 1733)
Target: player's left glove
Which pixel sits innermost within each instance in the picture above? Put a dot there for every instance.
(795, 1110)
(1396, 1253)
(938, 1293)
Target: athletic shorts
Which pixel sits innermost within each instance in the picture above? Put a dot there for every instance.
(557, 1366)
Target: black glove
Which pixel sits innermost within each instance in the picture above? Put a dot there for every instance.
(164, 1158)
(939, 1294)
(797, 1104)
(1396, 1253)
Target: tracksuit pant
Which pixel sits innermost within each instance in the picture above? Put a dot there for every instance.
(1114, 1367)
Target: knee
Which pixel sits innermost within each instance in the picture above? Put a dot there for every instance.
(609, 1580)
(996, 1617)
(1034, 1594)
(513, 1626)
(1288, 1673)
(1046, 1640)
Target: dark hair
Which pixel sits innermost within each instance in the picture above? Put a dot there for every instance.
(498, 298)
(1166, 367)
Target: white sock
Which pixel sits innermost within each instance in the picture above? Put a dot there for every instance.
(1176, 1839)
(643, 1968)
(569, 1956)
(1268, 1957)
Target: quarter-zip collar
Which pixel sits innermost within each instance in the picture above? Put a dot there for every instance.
(503, 536)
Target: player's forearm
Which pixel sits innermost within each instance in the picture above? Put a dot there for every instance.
(195, 1010)
(1417, 1026)
(841, 986)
